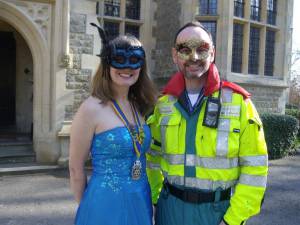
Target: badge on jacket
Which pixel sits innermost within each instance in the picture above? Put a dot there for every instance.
(212, 112)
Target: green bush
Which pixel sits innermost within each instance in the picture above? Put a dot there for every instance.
(280, 133)
(295, 113)
(291, 106)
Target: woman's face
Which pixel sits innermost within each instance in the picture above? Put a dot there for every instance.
(124, 77)
(126, 64)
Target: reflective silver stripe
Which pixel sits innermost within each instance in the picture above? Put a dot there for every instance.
(211, 163)
(222, 139)
(205, 162)
(163, 123)
(226, 95)
(216, 162)
(253, 180)
(153, 166)
(174, 159)
(165, 109)
(230, 110)
(219, 163)
(191, 160)
(194, 182)
(261, 160)
(153, 152)
(165, 120)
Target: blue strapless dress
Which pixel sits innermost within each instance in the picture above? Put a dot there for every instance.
(111, 196)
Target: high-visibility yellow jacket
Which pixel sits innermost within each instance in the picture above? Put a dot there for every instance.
(189, 154)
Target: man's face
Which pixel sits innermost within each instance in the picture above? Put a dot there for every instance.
(193, 52)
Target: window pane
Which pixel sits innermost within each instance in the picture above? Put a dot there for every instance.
(269, 53)
(133, 30)
(253, 50)
(112, 29)
(112, 8)
(271, 4)
(211, 26)
(208, 7)
(237, 48)
(239, 8)
(255, 9)
(133, 9)
(272, 7)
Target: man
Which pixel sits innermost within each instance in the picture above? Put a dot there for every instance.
(208, 159)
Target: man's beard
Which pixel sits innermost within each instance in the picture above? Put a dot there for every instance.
(202, 69)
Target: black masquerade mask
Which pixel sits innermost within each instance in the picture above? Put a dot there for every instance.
(132, 57)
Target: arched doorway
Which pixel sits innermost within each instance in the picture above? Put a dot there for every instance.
(44, 142)
(16, 86)
(16, 97)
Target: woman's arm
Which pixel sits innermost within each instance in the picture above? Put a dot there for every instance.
(82, 132)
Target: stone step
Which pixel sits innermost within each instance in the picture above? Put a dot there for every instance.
(17, 159)
(15, 146)
(12, 152)
(26, 168)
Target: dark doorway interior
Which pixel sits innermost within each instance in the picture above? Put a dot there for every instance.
(7, 80)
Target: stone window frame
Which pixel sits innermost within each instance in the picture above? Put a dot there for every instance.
(208, 7)
(256, 10)
(271, 12)
(122, 20)
(237, 47)
(270, 52)
(254, 50)
(210, 25)
(264, 26)
(239, 7)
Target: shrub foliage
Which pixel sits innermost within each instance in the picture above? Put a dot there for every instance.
(280, 133)
(295, 113)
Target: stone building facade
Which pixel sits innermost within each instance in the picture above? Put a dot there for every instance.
(54, 50)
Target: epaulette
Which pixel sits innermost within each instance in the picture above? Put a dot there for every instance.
(236, 88)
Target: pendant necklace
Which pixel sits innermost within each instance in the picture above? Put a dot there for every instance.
(137, 136)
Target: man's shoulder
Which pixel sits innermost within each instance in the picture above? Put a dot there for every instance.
(236, 89)
(165, 98)
(165, 104)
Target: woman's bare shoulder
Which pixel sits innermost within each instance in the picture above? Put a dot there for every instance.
(91, 107)
(92, 104)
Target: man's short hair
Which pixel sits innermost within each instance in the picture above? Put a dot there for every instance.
(193, 24)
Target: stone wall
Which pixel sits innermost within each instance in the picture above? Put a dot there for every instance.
(78, 79)
(267, 99)
(167, 17)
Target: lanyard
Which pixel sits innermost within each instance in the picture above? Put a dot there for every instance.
(136, 136)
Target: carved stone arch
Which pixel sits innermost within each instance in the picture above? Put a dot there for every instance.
(41, 76)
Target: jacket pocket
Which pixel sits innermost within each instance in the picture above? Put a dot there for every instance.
(223, 141)
(169, 131)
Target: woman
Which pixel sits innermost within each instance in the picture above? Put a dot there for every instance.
(110, 126)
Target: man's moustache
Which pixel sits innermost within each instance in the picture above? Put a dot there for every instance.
(197, 63)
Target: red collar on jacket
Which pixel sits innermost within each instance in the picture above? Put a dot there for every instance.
(176, 85)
